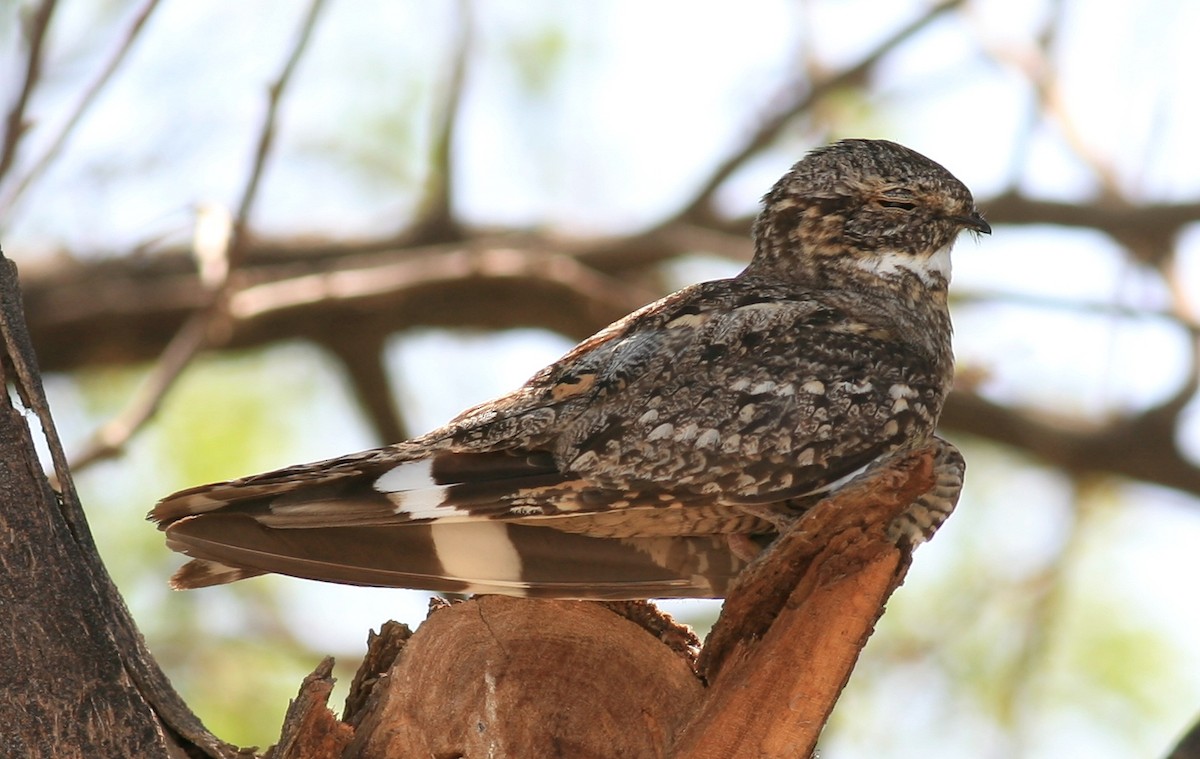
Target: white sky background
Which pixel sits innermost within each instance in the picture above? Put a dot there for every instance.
(647, 97)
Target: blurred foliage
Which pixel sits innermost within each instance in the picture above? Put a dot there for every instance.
(537, 56)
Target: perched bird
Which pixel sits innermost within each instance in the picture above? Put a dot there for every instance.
(657, 456)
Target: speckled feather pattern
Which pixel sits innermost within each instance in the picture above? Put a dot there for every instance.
(718, 410)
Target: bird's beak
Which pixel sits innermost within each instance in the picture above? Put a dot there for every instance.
(976, 222)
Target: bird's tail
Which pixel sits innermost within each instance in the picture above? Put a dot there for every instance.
(446, 522)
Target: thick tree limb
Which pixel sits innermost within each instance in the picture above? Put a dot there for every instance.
(1142, 447)
(511, 677)
(1188, 746)
(362, 354)
(119, 311)
(1153, 226)
(78, 679)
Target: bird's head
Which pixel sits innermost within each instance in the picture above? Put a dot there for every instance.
(863, 206)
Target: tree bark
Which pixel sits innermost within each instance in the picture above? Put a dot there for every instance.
(1189, 745)
(77, 679)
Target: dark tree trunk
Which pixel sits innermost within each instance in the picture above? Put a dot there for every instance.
(77, 679)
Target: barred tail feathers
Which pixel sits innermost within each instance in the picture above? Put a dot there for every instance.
(450, 522)
(483, 556)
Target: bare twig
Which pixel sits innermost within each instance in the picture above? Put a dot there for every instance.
(213, 323)
(1023, 139)
(81, 107)
(436, 222)
(1036, 64)
(361, 352)
(110, 439)
(773, 124)
(1097, 308)
(14, 121)
(266, 134)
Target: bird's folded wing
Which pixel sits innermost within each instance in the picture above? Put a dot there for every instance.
(383, 486)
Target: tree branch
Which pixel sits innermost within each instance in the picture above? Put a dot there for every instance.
(90, 92)
(1189, 745)
(1141, 447)
(82, 653)
(435, 218)
(266, 134)
(1156, 225)
(218, 259)
(14, 120)
(113, 435)
(361, 352)
(773, 124)
(116, 311)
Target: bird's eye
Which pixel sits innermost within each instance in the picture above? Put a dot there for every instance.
(903, 205)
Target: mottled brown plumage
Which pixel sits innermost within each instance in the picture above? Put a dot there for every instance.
(634, 465)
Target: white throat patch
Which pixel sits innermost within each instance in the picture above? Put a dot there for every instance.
(890, 262)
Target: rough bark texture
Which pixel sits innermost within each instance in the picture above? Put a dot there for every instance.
(309, 728)
(77, 680)
(64, 689)
(795, 623)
